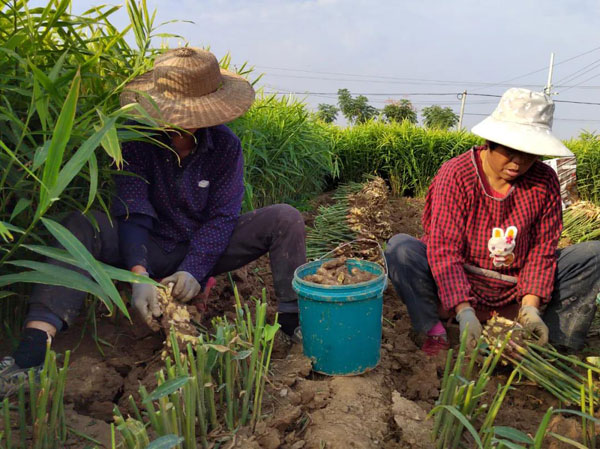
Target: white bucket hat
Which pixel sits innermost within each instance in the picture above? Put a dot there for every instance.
(523, 121)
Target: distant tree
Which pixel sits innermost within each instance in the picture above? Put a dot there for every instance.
(399, 111)
(438, 117)
(356, 110)
(327, 112)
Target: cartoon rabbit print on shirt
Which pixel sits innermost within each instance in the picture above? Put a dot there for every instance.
(502, 245)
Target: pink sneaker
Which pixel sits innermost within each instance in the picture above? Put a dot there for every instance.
(434, 344)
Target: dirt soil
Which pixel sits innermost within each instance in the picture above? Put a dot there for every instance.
(385, 408)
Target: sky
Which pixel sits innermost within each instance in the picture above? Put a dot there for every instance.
(391, 50)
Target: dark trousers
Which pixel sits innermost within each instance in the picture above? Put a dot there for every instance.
(277, 229)
(568, 315)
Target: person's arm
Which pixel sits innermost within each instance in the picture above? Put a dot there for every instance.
(224, 204)
(536, 279)
(134, 233)
(446, 241)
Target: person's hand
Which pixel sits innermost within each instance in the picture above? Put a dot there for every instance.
(529, 317)
(468, 320)
(185, 285)
(145, 300)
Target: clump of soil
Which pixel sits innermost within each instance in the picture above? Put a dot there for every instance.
(337, 272)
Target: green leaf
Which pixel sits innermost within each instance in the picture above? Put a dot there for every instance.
(83, 154)
(67, 277)
(568, 440)
(576, 412)
(507, 443)
(270, 331)
(6, 293)
(117, 274)
(5, 233)
(60, 138)
(93, 164)
(165, 442)
(168, 387)
(110, 143)
(40, 155)
(513, 434)
(85, 261)
(37, 277)
(21, 205)
(462, 418)
(541, 432)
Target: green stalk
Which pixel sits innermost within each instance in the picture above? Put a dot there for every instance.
(7, 429)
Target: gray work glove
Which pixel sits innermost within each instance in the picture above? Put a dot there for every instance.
(185, 285)
(145, 300)
(530, 319)
(468, 320)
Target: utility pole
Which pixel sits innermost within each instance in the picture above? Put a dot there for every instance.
(463, 98)
(548, 88)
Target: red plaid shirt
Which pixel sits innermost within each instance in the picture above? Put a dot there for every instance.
(458, 221)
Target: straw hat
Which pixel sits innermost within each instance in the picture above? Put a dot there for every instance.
(523, 121)
(188, 89)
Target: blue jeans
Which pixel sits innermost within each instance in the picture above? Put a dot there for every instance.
(568, 315)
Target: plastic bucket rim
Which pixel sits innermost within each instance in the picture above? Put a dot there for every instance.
(300, 280)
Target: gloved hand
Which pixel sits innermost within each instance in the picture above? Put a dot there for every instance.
(186, 286)
(145, 300)
(529, 317)
(466, 317)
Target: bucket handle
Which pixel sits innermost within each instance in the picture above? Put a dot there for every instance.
(342, 245)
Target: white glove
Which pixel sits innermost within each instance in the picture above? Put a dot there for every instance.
(466, 317)
(185, 286)
(145, 300)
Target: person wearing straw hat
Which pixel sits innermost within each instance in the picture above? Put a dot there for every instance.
(178, 217)
(492, 221)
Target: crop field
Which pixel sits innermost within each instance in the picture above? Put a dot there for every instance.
(223, 375)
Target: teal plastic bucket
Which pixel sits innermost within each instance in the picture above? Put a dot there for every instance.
(341, 324)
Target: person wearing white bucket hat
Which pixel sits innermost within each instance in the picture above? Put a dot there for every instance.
(178, 217)
(492, 222)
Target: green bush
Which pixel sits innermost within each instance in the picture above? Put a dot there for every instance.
(587, 151)
(405, 154)
(288, 155)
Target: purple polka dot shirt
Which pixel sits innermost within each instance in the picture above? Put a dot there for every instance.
(196, 201)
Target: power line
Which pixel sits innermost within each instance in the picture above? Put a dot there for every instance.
(555, 118)
(408, 94)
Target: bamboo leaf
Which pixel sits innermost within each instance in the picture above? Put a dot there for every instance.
(168, 387)
(37, 277)
(110, 142)
(6, 293)
(93, 165)
(165, 442)
(5, 233)
(60, 138)
(83, 154)
(68, 277)
(117, 274)
(507, 443)
(21, 205)
(86, 261)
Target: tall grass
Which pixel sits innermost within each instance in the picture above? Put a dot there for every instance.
(288, 155)
(60, 127)
(405, 154)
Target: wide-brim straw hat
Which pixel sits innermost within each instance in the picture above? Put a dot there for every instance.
(523, 121)
(187, 88)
